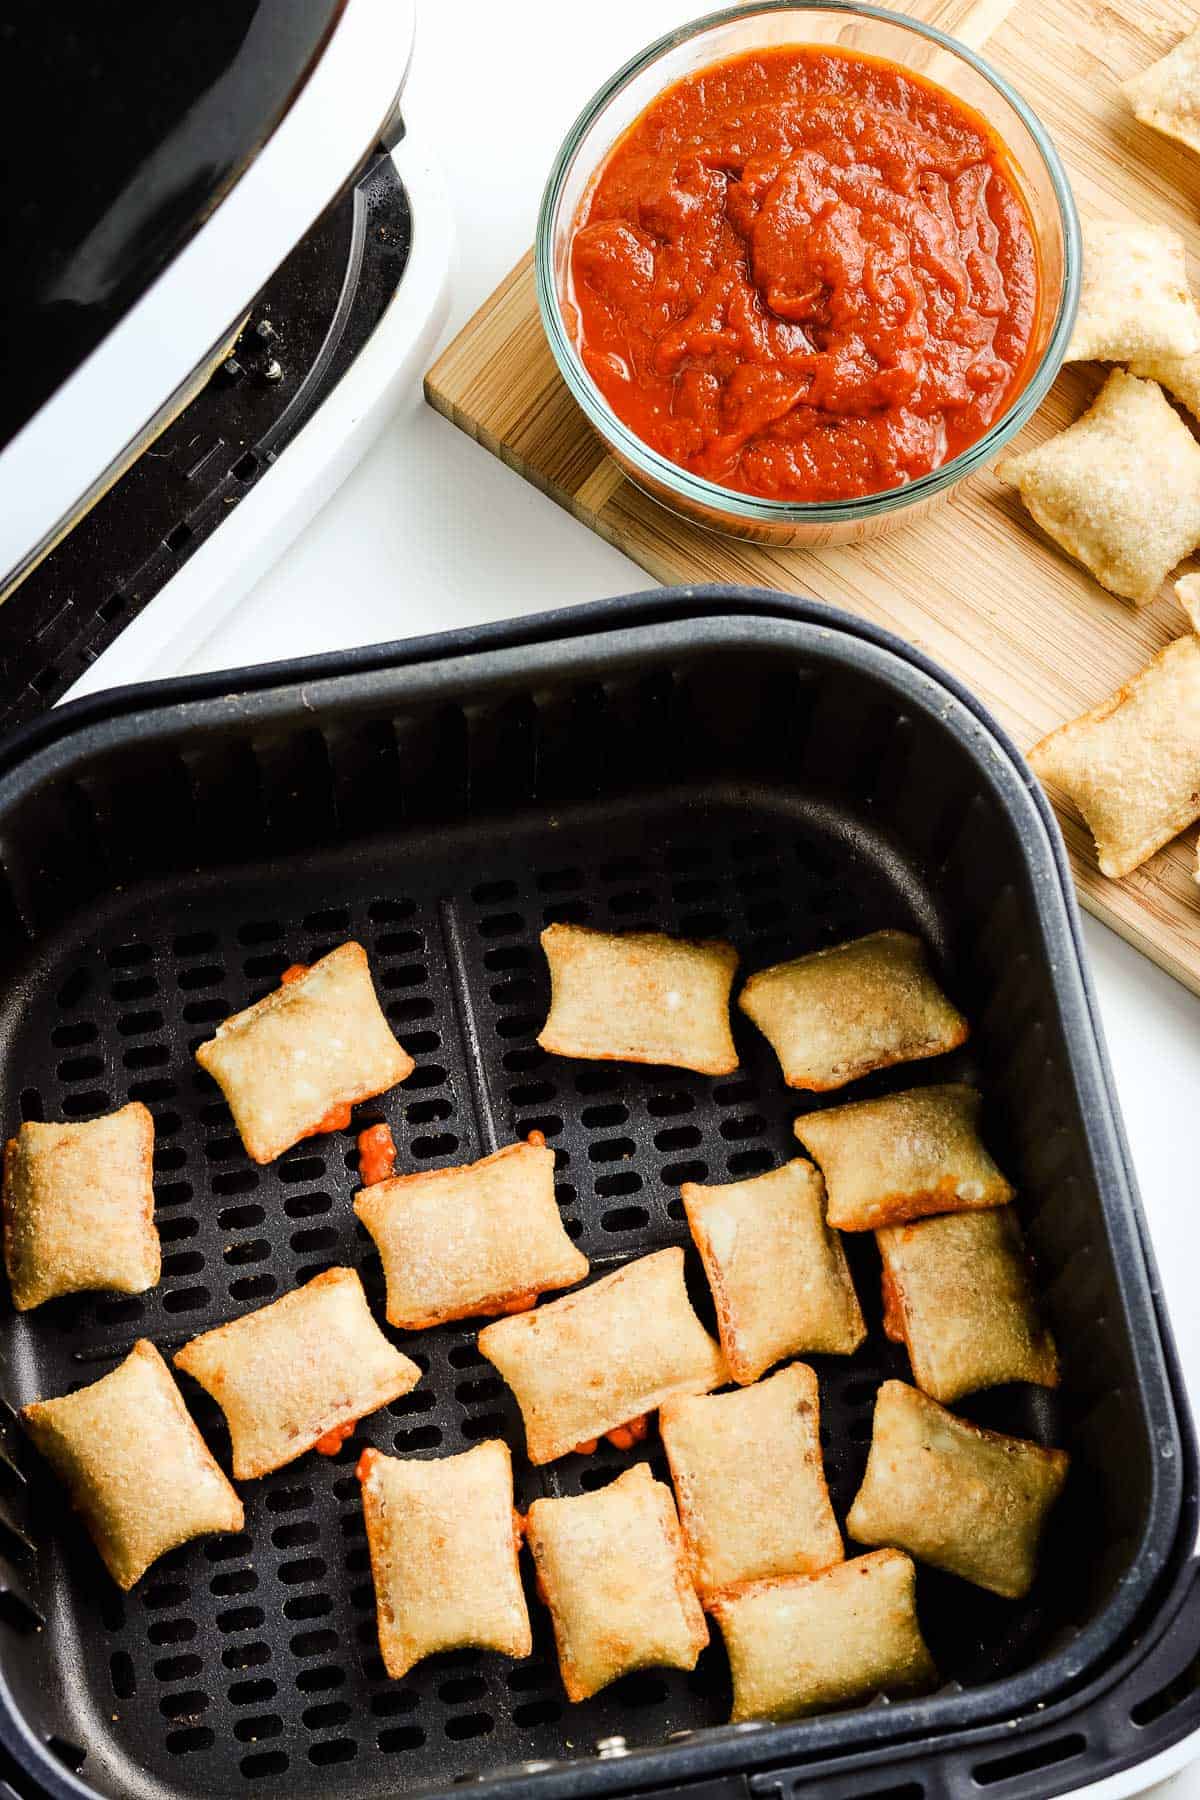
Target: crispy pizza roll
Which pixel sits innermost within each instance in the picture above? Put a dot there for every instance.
(639, 996)
(299, 1373)
(474, 1239)
(587, 1363)
(1180, 375)
(137, 1470)
(967, 1500)
(750, 1482)
(1120, 489)
(1167, 94)
(803, 1644)
(79, 1207)
(959, 1294)
(1134, 299)
(839, 1013)
(295, 1062)
(443, 1554)
(778, 1274)
(903, 1157)
(1132, 764)
(612, 1569)
(1187, 592)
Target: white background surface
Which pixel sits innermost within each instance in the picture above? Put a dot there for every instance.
(431, 532)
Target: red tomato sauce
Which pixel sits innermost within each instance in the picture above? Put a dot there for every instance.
(806, 274)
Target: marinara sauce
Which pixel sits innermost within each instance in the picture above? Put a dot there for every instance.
(806, 274)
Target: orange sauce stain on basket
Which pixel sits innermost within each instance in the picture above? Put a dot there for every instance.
(806, 274)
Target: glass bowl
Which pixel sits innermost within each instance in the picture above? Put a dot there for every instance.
(871, 30)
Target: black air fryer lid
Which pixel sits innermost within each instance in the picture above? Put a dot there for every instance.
(137, 119)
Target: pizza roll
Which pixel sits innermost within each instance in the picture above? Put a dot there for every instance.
(293, 1064)
(902, 1157)
(1187, 592)
(958, 1293)
(587, 1363)
(639, 996)
(839, 1013)
(1134, 298)
(1167, 94)
(1132, 764)
(805, 1643)
(611, 1568)
(1120, 489)
(79, 1207)
(1180, 375)
(951, 1494)
(778, 1274)
(750, 1482)
(484, 1237)
(137, 1470)
(298, 1374)
(444, 1554)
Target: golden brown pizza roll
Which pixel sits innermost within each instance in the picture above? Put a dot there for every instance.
(486, 1237)
(1167, 94)
(1119, 489)
(778, 1274)
(138, 1472)
(750, 1482)
(1132, 764)
(967, 1500)
(1134, 298)
(593, 1360)
(443, 1549)
(79, 1207)
(902, 1157)
(612, 1570)
(298, 1374)
(639, 996)
(296, 1062)
(959, 1294)
(839, 1013)
(804, 1644)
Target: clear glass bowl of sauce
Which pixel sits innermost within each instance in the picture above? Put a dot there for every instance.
(806, 267)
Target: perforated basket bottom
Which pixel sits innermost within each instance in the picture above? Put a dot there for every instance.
(252, 1661)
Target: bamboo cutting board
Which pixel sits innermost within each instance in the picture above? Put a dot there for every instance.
(976, 586)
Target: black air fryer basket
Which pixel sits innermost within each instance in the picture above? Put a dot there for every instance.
(710, 762)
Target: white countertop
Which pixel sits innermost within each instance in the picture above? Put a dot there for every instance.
(431, 532)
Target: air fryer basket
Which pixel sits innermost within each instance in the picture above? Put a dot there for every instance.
(708, 763)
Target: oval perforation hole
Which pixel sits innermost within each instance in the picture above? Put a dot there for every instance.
(252, 1693)
(263, 1762)
(193, 1738)
(258, 1727)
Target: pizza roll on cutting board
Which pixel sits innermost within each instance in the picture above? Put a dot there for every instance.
(971, 1501)
(959, 1294)
(1134, 298)
(138, 1472)
(1167, 94)
(903, 1157)
(592, 1361)
(305, 1368)
(444, 1554)
(750, 1482)
(79, 1207)
(1119, 490)
(1132, 764)
(294, 1063)
(842, 1012)
(778, 1274)
(472, 1239)
(612, 1569)
(639, 996)
(804, 1644)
